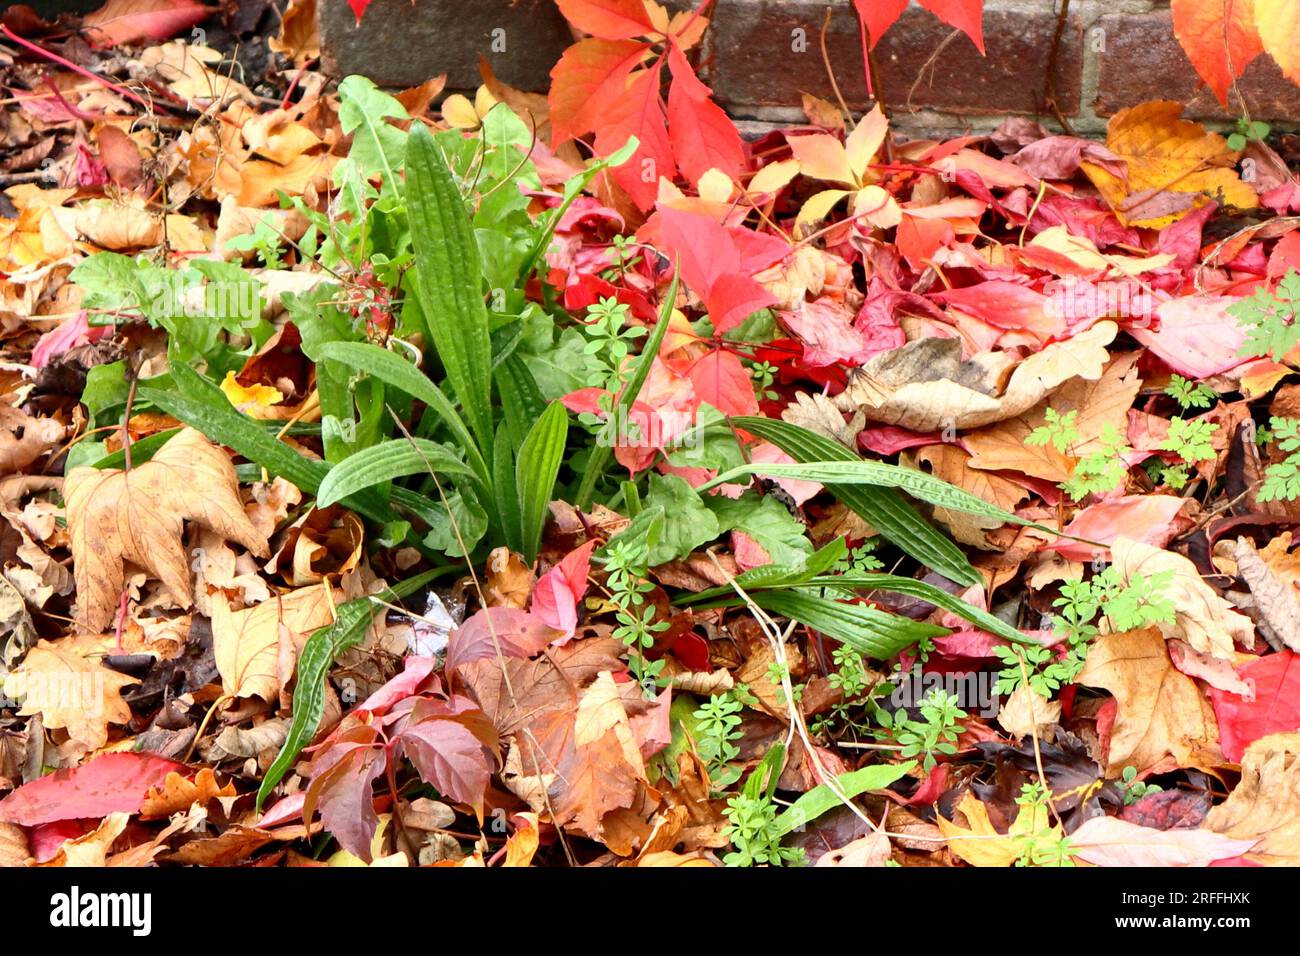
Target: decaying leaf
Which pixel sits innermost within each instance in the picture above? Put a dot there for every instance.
(115, 517)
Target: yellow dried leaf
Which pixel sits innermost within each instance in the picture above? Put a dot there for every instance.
(71, 692)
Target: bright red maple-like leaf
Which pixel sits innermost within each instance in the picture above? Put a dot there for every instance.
(966, 15)
(702, 135)
(589, 76)
(718, 264)
(1275, 709)
(110, 783)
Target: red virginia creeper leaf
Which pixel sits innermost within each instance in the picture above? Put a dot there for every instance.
(589, 76)
(110, 783)
(1219, 38)
(608, 19)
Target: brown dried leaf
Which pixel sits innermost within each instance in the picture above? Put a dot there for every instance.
(116, 517)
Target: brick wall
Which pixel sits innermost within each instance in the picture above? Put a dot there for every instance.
(761, 54)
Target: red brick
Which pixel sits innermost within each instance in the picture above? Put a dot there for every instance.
(1143, 61)
(753, 64)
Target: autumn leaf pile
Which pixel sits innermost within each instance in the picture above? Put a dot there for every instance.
(826, 497)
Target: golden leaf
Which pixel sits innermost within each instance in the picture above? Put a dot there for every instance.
(71, 692)
(247, 643)
(1174, 167)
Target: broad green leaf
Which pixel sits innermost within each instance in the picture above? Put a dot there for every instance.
(883, 508)
(673, 521)
(384, 462)
(536, 467)
(449, 279)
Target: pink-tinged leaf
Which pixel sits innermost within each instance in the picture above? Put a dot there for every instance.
(447, 753)
(516, 633)
(1195, 336)
(1168, 809)
(703, 136)
(828, 334)
(653, 727)
(879, 15)
(723, 382)
(1007, 305)
(110, 783)
(416, 671)
(286, 810)
(1275, 709)
(890, 439)
(590, 75)
(638, 111)
(748, 552)
(919, 239)
(966, 15)
(1110, 841)
(342, 788)
(608, 19)
(66, 335)
(133, 21)
(1145, 518)
(558, 591)
(1059, 157)
(1215, 671)
(798, 490)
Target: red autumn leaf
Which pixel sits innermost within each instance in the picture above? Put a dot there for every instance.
(703, 136)
(556, 595)
(1219, 38)
(517, 633)
(608, 19)
(589, 76)
(342, 775)
(717, 264)
(416, 671)
(965, 15)
(133, 21)
(449, 746)
(723, 382)
(358, 8)
(1275, 709)
(639, 112)
(110, 783)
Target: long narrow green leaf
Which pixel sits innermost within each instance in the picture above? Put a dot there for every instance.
(449, 279)
(822, 798)
(875, 634)
(884, 508)
(384, 462)
(401, 374)
(536, 468)
(522, 402)
(319, 652)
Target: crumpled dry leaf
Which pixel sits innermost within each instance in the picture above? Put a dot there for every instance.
(1162, 713)
(1275, 597)
(1265, 805)
(1015, 713)
(136, 516)
(1174, 166)
(817, 413)
(979, 843)
(256, 648)
(178, 794)
(924, 386)
(70, 691)
(91, 849)
(1202, 618)
(24, 439)
(120, 226)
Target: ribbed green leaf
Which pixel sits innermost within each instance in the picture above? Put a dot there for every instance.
(872, 633)
(318, 654)
(384, 462)
(536, 468)
(883, 508)
(449, 279)
(822, 798)
(401, 374)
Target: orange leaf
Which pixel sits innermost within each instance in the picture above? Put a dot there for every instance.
(1278, 22)
(1219, 38)
(608, 19)
(590, 75)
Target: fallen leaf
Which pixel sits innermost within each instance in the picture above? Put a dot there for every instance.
(71, 692)
(1162, 712)
(1273, 708)
(247, 644)
(1202, 618)
(136, 516)
(1264, 807)
(1276, 599)
(1110, 841)
(109, 783)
